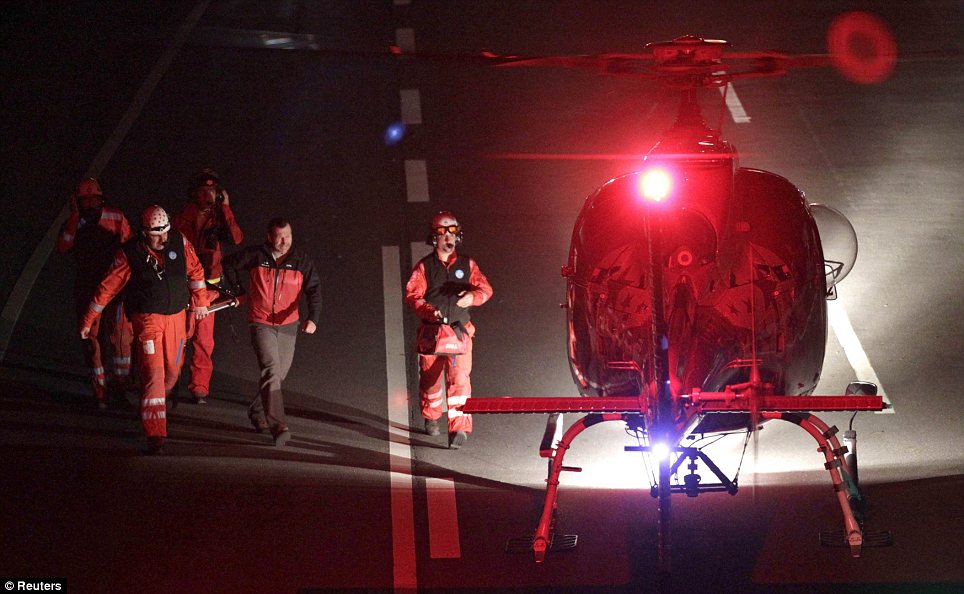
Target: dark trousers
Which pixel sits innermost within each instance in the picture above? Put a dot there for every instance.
(275, 348)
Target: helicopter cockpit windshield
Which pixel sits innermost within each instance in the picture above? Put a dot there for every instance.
(839, 242)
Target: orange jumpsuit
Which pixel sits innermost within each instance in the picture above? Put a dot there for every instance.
(160, 337)
(456, 368)
(206, 232)
(93, 245)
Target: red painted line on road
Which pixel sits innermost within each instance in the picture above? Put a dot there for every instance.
(399, 446)
(443, 519)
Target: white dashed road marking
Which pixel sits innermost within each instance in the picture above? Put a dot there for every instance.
(847, 338)
(733, 104)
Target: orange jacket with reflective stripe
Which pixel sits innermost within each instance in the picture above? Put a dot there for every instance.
(93, 243)
(206, 231)
(120, 273)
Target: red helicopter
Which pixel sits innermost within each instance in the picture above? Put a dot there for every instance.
(696, 291)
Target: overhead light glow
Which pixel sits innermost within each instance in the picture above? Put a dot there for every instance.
(654, 185)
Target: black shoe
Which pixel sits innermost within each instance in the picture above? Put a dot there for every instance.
(155, 446)
(457, 438)
(260, 424)
(101, 405)
(281, 437)
(200, 397)
(431, 427)
(117, 400)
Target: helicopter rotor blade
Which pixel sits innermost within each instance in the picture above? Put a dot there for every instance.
(607, 63)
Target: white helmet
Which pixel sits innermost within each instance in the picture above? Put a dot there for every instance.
(154, 220)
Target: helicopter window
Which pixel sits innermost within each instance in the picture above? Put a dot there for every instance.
(624, 265)
(779, 272)
(613, 219)
(610, 222)
(689, 232)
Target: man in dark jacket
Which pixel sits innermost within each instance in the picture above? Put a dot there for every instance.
(277, 276)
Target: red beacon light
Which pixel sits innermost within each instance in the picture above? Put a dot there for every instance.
(654, 185)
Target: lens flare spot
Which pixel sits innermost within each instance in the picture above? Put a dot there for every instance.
(394, 133)
(660, 451)
(862, 47)
(654, 185)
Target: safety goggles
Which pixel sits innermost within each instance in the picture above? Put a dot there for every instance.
(453, 229)
(158, 230)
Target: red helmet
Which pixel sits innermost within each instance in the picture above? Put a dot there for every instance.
(444, 214)
(436, 227)
(205, 177)
(154, 220)
(89, 187)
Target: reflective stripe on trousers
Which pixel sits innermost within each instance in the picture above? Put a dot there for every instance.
(159, 339)
(455, 371)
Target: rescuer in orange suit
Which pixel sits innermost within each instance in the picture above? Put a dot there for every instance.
(160, 275)
(207, 221)
(93, 232)
(442, 287)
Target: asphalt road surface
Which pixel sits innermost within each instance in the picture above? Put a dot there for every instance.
(292, 102)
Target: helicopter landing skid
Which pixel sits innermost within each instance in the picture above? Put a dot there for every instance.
(793, 409)
(837, 539)
(557, 543)
(844, 483)
(545, 539)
